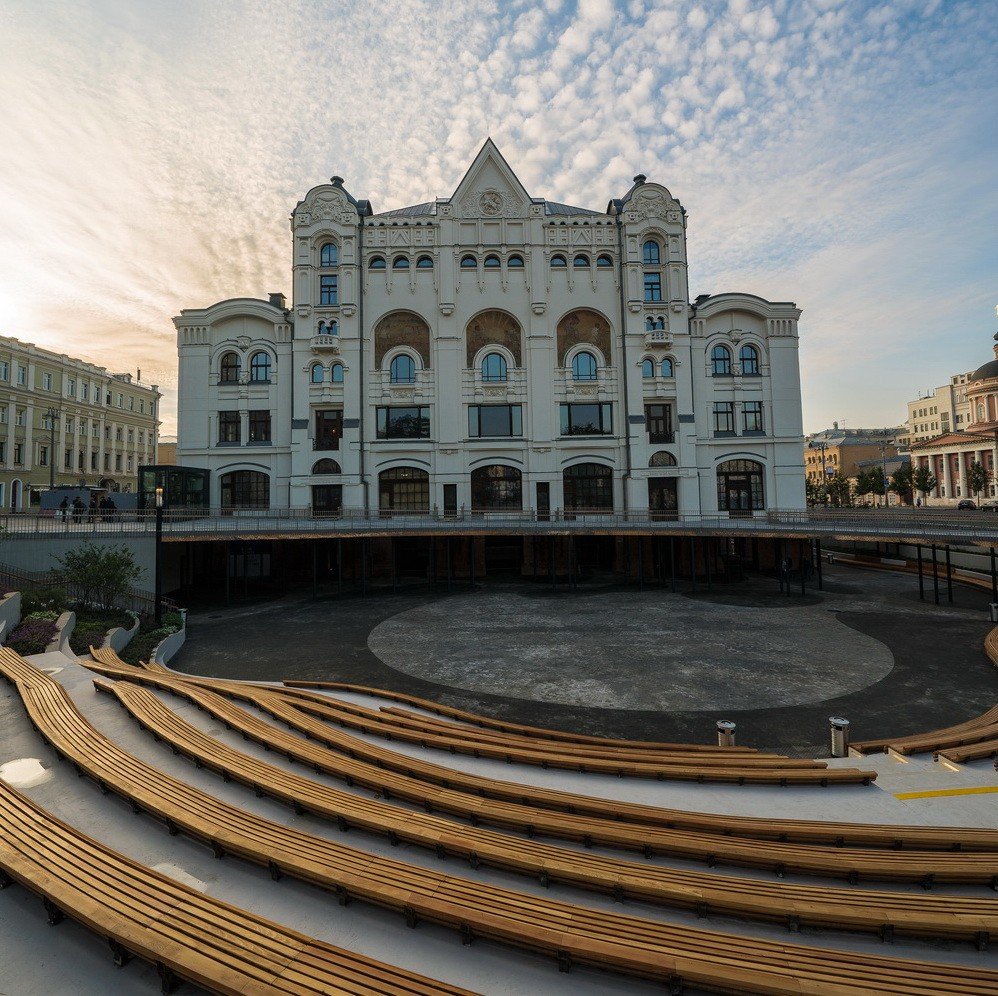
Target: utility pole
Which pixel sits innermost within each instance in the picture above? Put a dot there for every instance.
(52, 414)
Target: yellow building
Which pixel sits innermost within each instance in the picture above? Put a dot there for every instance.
(64, 421)
(840, 451)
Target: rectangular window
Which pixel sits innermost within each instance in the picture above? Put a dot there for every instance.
(117, 462)
(724, 418)
(228, 427)
(752, 417)
(71, 387)
(43, 456)
(118, 434)
(653, 287)
(4, 370)
(586, 420)
(80, 461)
(67, 461)
(3, 415)
(22, 375)
(3, 451)
(107, 461)
(403, 423)
(131, 464)
(47, 381)
(20, 417)
(18, 453)
(131, 436)
(327, 289)
(131, 404)
(495, 420)
(328, 429)
(121, 401)
(84, 391)
(658, 419)
(94, 455)
(259, 426)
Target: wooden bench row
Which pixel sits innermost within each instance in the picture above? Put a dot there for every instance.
(186, 934)
(677, 955)
(885, 913)
(561, 813)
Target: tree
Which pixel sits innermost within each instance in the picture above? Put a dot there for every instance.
(100, 575)
(815, 492)
(977, 478)
(839, 491)
(923, 481)
(901, 484)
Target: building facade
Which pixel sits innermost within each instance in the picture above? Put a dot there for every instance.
(67, 422)
(843, 451)
(950, 456)
(939, 412)
(493, 351)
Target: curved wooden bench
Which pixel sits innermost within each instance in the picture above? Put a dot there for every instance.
(879, 912)
(186, 934)
(678, 955)
(558, 813)
(971, 752)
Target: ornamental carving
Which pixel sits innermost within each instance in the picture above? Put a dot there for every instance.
(494, 328)
(647, 204)
(329, 205)
(490, 203)
(583, 326)
(402, 328)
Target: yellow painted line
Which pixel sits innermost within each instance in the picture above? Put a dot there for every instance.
(976, 790)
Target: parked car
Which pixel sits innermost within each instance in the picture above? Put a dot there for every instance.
(989, 506)
(966, 503)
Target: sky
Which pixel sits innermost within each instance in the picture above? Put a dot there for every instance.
(837, 153)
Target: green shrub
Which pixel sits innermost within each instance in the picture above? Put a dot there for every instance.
(43, 598)
(43, 615)
(91, 628)
(101, 574)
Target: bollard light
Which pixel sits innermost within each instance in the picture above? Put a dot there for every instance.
(839, 729)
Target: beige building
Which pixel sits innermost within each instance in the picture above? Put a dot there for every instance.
(944, 410)
(843, 450)
(64, 421)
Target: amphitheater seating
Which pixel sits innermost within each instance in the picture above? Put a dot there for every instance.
(186, 934)
(678, 955)
(969, 919)
(556, 813)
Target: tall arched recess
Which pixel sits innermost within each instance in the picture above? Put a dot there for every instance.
(493, 328)
(588, 487)
(584, 326)
(402, 328)
(495, 488)
(244, 489)
(741, 486)
(404, 489)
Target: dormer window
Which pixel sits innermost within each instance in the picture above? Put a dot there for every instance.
(492, 262)
(581, 262)
(515, 262)
(558, 261)
(469, 262)
(424, 263)
(400, 263)
(377, 263)
(329, 255)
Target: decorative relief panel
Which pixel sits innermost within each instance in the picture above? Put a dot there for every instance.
(583, 326)
(494, 328)
(647, 203)
(329, 204)
(597, 236)
(402, 328)
(382, 237)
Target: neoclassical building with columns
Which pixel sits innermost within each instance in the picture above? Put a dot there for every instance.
(493, 351)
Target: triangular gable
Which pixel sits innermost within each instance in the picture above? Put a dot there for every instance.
(490, 189)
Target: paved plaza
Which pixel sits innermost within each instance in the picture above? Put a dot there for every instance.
(645, 664)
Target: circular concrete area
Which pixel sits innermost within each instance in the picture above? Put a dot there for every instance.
(628, 650)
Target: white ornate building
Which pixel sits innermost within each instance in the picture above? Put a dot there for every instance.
(493, 350)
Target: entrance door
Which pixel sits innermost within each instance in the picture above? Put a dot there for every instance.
(450, 501)
(327, 498)
(662, 498)
(739, 494)
(543, 501)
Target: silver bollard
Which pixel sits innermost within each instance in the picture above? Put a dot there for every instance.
(839, 729)
(725, 733)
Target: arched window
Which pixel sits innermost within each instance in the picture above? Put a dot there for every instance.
(588, 486)
(662, 459)
(229, 370)
(515, 262)
(469, 262)
(400, 263)
(584, 366)
(404, 489)
(402, 369)
(581, 261)
(667, 368)
(649, 324)
(647, 369)
(492, 261)
(749, 357)
(651, 253)
(720, 361)
(329, 328)
(244, 489)
(377, 263)
(495, 488)
(604, 262)
(325, 466)
(424, 263)
(336, 373)
(329, 255)
(557, 260)
(740, 486)
(316, 373)
(260, 367)
(494, 367)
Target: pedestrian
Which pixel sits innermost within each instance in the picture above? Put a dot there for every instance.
(64, 509)
(112, 509)
(78, 509)
(92, 509)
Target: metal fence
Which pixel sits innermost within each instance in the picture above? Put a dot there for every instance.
(976, 527)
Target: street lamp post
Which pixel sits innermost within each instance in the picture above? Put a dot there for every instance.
(52, 414)
(883, 469)
(159, 559)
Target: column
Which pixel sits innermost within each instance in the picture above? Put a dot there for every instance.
(947, 476)
(962, 469)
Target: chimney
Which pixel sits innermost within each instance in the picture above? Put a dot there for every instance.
(278, 300)
(640, 178)
(835, 425)
(138, 374)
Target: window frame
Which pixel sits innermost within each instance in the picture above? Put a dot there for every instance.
(316, 368)
(469, 261)
(754, 360)
(424, 262)
(329, 290)
(499, 377)
(265, 365)
(720, 355)
(329, 254)
(385, 416)
(653, 258)
(724, 418)
(566, 421)
(377, 263)
(604, 261)
(588, 376)
(652, 285)
(259, 426)
(401, 262)
(559, 262)
(492, 261)
(230, 427)
(584, 265)
(515, 262)
(399, 358)
(647, 368)
(514, 418)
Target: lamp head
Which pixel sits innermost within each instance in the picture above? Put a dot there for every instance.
(159, 497)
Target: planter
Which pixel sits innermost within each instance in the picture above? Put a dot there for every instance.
(10, 613)
(117, 638)
(167, 648)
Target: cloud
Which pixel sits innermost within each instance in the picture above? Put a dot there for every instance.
(840, 155)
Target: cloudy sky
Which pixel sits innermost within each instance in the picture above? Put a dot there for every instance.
(838, 153)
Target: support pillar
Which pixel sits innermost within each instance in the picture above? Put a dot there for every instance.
(672, 559)
(817, 561)
(471, 544)
(935, 575)
(994, 574)
(921, 580)
(949, 577)
(315, 572)
(693, 563)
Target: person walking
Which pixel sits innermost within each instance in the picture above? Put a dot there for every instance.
(64, 509)
(92, 510)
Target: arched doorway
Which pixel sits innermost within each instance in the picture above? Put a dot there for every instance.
(496, 488)
(741, 487)
(588, 487)
(244, 489)
(404, 489)
(15, 495)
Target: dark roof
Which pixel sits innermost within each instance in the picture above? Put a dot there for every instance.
(553, 207)
(986, 372)
(412, 211)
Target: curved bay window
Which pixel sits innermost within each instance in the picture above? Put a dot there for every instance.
(244, 489)
(741, 486)
(496, 488)
(404, 489)
(588, 486)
